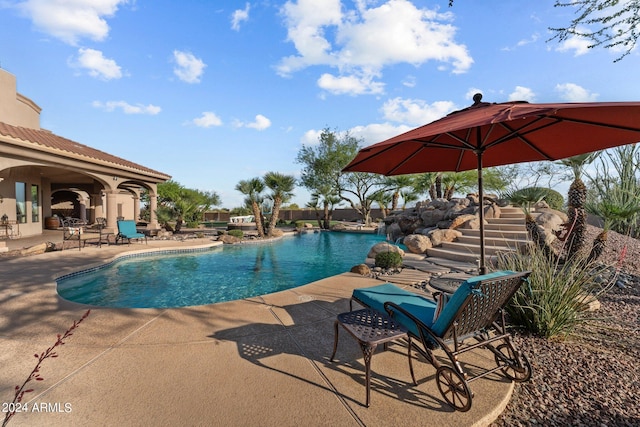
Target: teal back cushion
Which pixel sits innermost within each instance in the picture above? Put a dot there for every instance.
(458, 298)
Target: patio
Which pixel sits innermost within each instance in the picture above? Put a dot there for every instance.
(258, 361)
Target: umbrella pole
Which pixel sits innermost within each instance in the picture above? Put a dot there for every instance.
(482, 269)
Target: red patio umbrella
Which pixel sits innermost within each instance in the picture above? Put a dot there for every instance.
(489, 134)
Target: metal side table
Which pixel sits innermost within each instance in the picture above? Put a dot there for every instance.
(370, 328)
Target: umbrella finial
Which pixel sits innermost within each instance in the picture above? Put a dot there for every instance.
(477, 98)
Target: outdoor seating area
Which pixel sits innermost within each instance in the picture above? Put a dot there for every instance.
(474, 311)
(133, 365)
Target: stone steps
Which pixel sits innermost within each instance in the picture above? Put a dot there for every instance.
(504, 234)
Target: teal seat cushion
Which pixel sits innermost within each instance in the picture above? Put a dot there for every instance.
(421, 307)
(457, 299)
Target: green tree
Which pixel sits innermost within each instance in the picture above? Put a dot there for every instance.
(180, 204)
(364, 187)
(322, 168)
(253, 189)
(281, 187)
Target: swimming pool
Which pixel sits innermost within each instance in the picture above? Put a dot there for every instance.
(223, 273)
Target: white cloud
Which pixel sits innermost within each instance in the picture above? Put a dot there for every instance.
(260, 123)
(351, 85)
(189, 69)
(97, 65)
(578, 45)
(207, 120)
(70, 21)
(571, 92)
(370, 134)
(378, 132)
(522, 93)
(366, 40)
(239, 16)
(127, 108)
(415, 111)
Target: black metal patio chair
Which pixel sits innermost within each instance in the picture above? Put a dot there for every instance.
(475, 311)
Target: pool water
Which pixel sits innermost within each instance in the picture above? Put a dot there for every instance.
(223, 273)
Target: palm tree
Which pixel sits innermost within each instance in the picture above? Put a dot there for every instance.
(577, 197)
(328, 198)
(395, 184)
(281, 187)
(408, 196)
(253, 189)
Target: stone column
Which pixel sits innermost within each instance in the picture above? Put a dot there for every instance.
(136, 207)
(153, 206)
(112, 210)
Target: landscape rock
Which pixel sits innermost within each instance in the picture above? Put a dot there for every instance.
(431, 217)
(38, 249)
(443, 235)
(362, 269)
(466, 221)
(417, 243)
(383, 247)
(229, 239)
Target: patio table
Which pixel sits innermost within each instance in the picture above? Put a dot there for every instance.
(370, 328)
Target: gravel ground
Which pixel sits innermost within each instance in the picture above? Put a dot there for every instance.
(592, 377)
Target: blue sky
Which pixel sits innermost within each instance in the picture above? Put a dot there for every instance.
(213, 92)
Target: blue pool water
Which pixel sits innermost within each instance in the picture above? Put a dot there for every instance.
(224, 273)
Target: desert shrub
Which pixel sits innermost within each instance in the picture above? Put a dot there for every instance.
(236, 233)
(388, 260)
(531, 195)
(555, 299)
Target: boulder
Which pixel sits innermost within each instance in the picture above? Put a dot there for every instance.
(561, 214)
(431, 217)
(277, 233)
(339, 227)
(443, 235)
(37, 249)
(417, 243)
(454, 211)
(229, 239)
(383, 247)
(362, 269)
(491, 211)
(548, 224)
(408, 224)
(466, 221)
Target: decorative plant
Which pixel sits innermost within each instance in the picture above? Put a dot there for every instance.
(388, 260)
(35, 373)
(236, 233)
(556, 298)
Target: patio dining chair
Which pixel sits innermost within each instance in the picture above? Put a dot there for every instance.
(475, 311)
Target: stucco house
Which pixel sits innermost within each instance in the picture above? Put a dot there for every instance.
(39, 170)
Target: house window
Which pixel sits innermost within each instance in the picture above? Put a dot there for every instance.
(35, 206)
(21, 202)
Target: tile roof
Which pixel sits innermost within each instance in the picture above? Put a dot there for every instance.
(50, 140)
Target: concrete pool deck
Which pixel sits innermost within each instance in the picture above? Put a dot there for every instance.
(258, 361)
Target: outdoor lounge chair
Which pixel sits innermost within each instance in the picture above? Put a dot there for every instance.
(474, 311)
(127, 230)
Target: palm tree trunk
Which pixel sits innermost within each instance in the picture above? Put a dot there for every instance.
(274, 215)
(258, 218)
